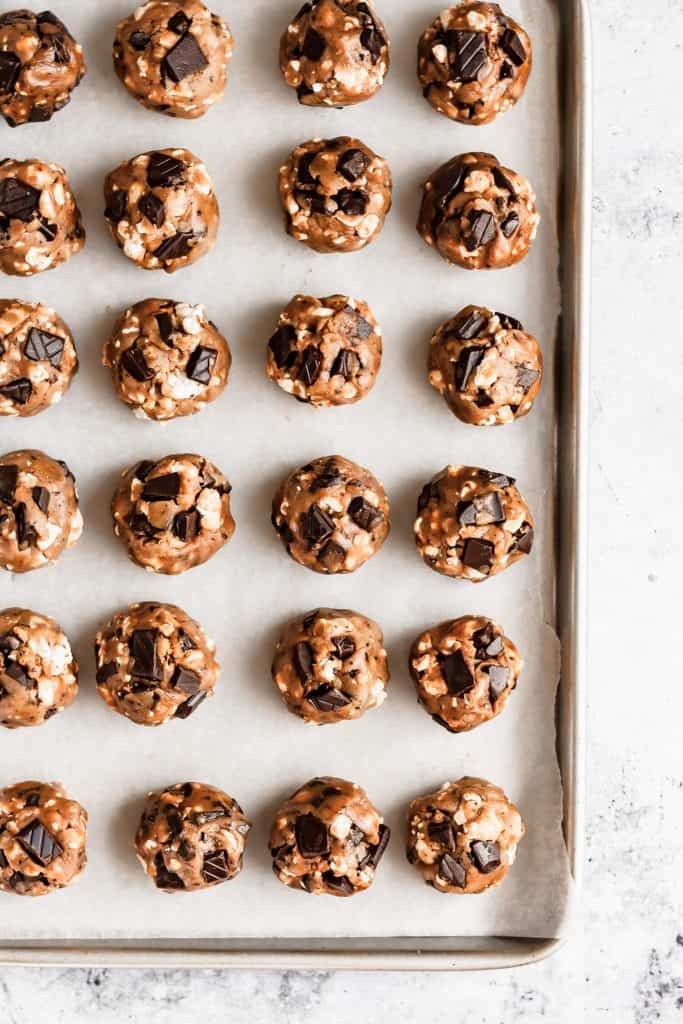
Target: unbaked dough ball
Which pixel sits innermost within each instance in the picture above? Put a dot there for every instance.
(38, 672)
(37, 358)
(486, 366)
(40, 65)
(331, 515)
(161, 209)
(464, 670)
(191, 836)
(154, 663)
(39, 514)
(173, 514)
(330, 666)
(464, 837)
(40, 223)
(325, 351)
(42, 838)
(474, 62)
(335, 194)
(335, 53)
(328, 838)
(167, 359)
(472, 523)
(173, 56)
(478, 214)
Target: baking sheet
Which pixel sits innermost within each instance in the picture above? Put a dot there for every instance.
(243, 740)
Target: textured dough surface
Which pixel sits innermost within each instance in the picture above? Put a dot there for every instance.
(464, 837)
(38, 672)
(328, 838)
(37, 358)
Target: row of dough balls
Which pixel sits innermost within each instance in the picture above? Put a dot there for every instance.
(331, 515)
(327, 838)
(168, 359)
(162, 211)
(173, 55)
(155, 663)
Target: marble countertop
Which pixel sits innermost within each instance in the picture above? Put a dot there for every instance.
(628, 963)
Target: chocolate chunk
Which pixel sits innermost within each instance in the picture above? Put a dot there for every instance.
(304, 173)
(311, 366)
(39, 844)
(506, 70)
(8, 483)
(352, 203)
(448, 180)
(161, 488)
(179, 23)
(456, 673)
(332, 556)
(186, 642)
(133, 362)
(41, 497)
(471, 327)
(191, 705)
(313, 45)
(165, 170)
(281, 344)
(513, 46)
(201, 363)
(186, 525)
(316, 524)
(215, 867)
(486, 856)
(441, 832)
(308, 621)
(176, 247)
(510, 225)
(498, 680)
(153, 209)
(303, 661)
(18, 391)
(18, 201)
(304, 10)
(47, 230)
(372, 40)
(164, 878)
(106, 671)
(165, 325)
(524, 539)
(376, 853)
(26, 533)
(468, 361)
(311, 836)
(466, 54)
(488, 643)
(138, 40)
(143, 469)
(502, 181)
(186, 681)
(328, 698)
(144, 657)
(500, 479)
(60, 50)
(43, 345)
(452, 871)
(50, 19)
(364, 514)
(478, 554)
(362, 328)
(352, 164)
(204, 817)
(9, 643)
(345, 365)
(186, 58)
(3, 859)
(345, 646)
(338, 883)
(116, 206)
(526, 378)
(482, 511)
(482, 230)
(10, 67)
(16, 672)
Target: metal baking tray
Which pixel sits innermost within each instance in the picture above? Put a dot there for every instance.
(572, 375)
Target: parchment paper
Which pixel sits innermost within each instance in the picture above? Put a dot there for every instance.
(243, 740)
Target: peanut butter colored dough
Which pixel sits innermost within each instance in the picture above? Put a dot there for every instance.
(40, 223)
(37, 358)
(335, 194)
(42, 838)
(472, 523)
(167, 359)
(40, 66)
(335, 53)
(173, 514)
(39, 514)
(474, 62)
(328, 838)
(38, 672)
(330, 666)
(325, 351)
(478, 214)
(154, 663)
(486, 366)
(161, 209)
(464, 670)
(191, 836)
(332, 515)
(464, 837)
(173, 56)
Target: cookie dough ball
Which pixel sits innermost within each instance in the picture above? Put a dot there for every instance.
(40, 223)
(162, 209)
(464, 837)
(39, 514)
(335, 53)
(486, 366)
(474, 62)
(38, 672)
(42, 838)
(331, 515)
(478, 214)
(325, 351)
(173, 514)
(154, 663)
(331, 666)
(328, 838)
(464, 670)
(40, 65)
(472, 524)
(37, 358)
(335, 194)
(191, 836)
(173, 56)
(167, 359)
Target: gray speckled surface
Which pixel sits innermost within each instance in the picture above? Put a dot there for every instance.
(628, 964)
